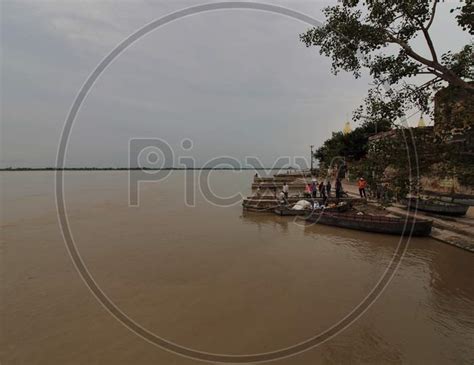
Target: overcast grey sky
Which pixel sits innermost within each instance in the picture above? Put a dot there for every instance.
(236, 82)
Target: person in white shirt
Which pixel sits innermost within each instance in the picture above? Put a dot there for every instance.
(258, 193)
(282, 198)
(285, 190)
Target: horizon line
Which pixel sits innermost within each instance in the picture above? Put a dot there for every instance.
(140, 168)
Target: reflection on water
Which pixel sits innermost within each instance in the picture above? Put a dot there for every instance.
(216, 279)
(266, 220)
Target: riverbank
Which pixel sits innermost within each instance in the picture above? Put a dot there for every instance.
(456, 231)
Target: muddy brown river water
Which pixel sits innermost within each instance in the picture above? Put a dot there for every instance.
(214, 279)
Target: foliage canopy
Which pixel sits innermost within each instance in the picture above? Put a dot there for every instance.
(361, 34)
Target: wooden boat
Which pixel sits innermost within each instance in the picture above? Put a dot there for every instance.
(287, 211)
(458, 200)
(268, 203)
(263, 204)
(436, 206)
(463, 199)
(370, 223)
(256, 209)
(278, 185)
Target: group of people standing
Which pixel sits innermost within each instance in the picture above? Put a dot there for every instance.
(323, 188)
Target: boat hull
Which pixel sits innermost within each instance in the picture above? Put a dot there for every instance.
(439, 207)
(269, 203)
(463, 199)
(291, 212)
(377, 224)
(460, 201)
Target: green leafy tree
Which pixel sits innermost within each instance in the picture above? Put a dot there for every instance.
(352, 147)
(358, 34)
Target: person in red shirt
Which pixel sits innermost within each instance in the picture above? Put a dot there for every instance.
(362, 185)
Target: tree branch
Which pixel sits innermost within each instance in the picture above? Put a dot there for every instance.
(433, 11)
(428, 83)
(430, 44)
(427, 35)
(411, 52)
(443, 72)
(434, 72)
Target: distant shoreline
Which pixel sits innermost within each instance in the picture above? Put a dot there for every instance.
(136, 168)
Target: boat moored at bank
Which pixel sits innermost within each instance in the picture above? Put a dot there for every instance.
(436, 206)
(371, 223)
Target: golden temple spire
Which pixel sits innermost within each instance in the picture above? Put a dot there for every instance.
(421, 122)
(347, 128)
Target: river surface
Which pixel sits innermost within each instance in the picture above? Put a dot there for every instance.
(214, 279)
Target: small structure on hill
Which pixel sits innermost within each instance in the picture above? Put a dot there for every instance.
(437, 158)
